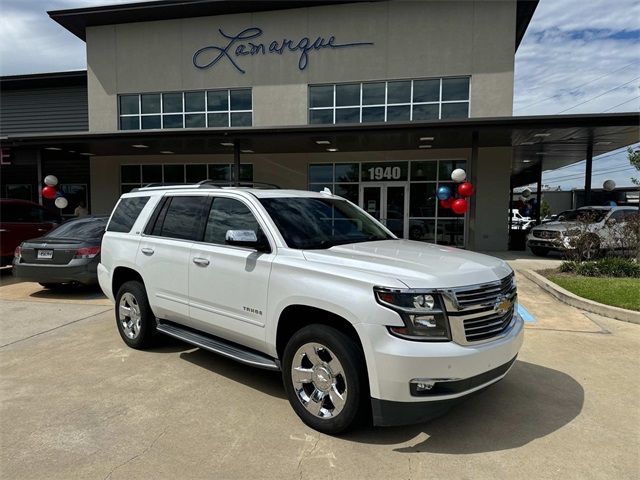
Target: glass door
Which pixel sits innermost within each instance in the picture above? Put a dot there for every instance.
(386, 202)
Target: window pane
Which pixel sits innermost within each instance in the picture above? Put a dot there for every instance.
(426, 90)
(194, 120)
(347, 115)
(130, 174)
(150, 121)
(348, 95)
(220, 172)
(372, 114)
(318, 187)
(172, 121)
(455, 89)
(241, 119)
(194, 102)
(424, 170)
(321, 96)
(246, 173)
(151, 173)
(455, 110)
(174, 173)
(373, 93)
(184, 218)
(321, 173)
(129, 104)
(422, 230)
(241, 99)
(450, 232)
(228, 214)
(150, 103)
(126, 214)
(399, 92)
(196, 173)
(448, 166)
(347, 172)
(217, 100)
(129, 123)
(425, 112)
(422, 200)
(350, 192)
(218, 119)
(171, 102)
(398, 114)
(127, 188)
(320, 116)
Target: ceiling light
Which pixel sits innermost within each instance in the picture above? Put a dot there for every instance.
(332, 149)
(323, 142)
(56, 149)
(72, 151)
(86, 153)
(541, 134)
(603, 143)
(426, 139)
(227, 144)
(139, 145)
(526, 161)
(424, 146)
(166, 152)
(246, 151)
(543, 153)
(527, 143)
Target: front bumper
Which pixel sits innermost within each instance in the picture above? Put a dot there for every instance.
(560, 244)
(83, 273)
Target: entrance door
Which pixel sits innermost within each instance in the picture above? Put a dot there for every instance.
(386, 202)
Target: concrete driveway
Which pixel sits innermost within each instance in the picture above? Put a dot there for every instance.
(76, 403)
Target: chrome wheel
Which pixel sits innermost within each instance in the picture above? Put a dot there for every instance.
(319, 380)
(129, 315)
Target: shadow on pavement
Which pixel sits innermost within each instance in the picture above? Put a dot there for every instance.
(70, 292)
(530, 403)
(264, 381)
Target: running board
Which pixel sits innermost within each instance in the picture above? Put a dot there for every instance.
(219, 346)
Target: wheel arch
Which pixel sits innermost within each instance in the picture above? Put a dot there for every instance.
(122, 275)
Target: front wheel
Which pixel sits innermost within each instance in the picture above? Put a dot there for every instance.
(324, 375)
(135, 320)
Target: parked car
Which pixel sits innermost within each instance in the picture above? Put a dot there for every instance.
(310, 285)
(68, 254)
(555, 217)
(20, 220)
(598, 227)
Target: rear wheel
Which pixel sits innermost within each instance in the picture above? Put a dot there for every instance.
(135, 320)
(324, 375)
(539, 251)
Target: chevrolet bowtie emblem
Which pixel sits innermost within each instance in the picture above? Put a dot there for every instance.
(502, 305)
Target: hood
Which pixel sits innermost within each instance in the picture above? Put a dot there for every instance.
(416, 264)
(557, 226)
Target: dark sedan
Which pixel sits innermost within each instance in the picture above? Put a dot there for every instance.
(68, 254)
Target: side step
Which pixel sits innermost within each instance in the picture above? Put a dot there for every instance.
(219, 346)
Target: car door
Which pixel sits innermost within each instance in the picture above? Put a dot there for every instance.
(228, 285)
(23, 221)
(163, 253)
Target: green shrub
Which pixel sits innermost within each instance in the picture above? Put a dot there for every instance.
(604, 267)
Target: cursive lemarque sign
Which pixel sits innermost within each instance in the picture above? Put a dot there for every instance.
(243, 44)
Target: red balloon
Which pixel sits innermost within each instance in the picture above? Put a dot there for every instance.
(465, 189)
(459, 206)
(49, 192)
(446, 203)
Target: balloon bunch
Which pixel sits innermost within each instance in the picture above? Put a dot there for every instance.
(465, 189)
(50, 192)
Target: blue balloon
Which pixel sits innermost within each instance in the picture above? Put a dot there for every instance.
(443, 192)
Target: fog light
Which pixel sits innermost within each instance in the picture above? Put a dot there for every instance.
(423, 387)
(428, 321)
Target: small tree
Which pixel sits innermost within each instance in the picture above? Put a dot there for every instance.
(545, 209)
(634, 160)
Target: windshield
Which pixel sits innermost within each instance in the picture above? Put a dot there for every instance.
(88, 228)
(586, 215)
(311, 223)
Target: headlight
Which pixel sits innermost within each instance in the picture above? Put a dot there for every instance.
(422, 312)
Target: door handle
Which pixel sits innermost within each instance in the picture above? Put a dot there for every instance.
(203, 262)
(147, 251)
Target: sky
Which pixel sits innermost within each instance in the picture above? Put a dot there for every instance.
(578, 56)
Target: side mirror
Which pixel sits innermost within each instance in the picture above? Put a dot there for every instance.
(247, 238)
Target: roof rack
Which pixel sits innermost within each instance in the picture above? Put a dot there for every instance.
(205, 184)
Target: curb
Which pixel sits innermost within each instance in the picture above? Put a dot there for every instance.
(579, 302)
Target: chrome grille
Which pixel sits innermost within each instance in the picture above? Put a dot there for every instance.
(545, 234)
(481, 312)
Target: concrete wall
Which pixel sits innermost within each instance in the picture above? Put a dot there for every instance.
(412, 39)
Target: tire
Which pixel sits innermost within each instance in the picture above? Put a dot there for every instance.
(339, 376)
(134, 318)
(539, 251)
(51, 286)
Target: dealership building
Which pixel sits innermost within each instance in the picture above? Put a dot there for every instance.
(376, 100)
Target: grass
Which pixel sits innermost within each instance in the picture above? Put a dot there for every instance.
(619, 292)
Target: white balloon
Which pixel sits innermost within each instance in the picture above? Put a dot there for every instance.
(458, 175)
(609, 185)
(61, 202)
(51, 180)
(526, 193)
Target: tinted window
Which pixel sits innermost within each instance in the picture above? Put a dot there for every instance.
(26, 213)
(228, 214)
(584, 215)
(126, 214)
(80, 229)
(184, 218)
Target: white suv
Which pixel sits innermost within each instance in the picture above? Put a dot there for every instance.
(360, 323)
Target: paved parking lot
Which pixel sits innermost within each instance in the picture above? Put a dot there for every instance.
(76, 403)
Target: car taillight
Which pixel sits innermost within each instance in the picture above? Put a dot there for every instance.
(87, 252)
(18, 252)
